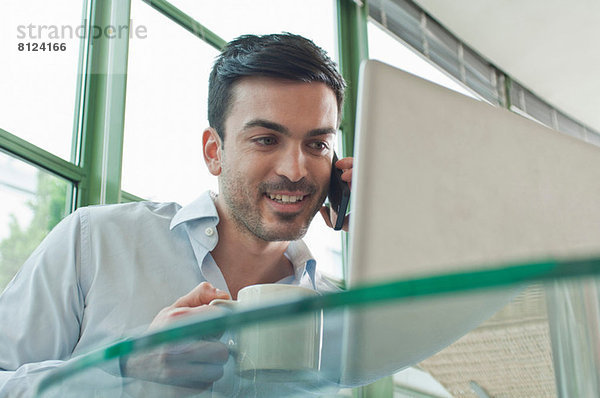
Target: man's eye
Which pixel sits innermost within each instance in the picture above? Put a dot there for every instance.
(319, 145)
(265, 140)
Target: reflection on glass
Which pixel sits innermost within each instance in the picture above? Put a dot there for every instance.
(314, 19)
(508, 355)
(574, 318)
(40, 50)
(33, 202)
(358, 342)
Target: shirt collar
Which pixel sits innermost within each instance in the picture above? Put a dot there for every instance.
(203, 207)
(303, 262)
(204, 212)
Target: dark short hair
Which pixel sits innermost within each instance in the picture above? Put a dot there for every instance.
(285, 56)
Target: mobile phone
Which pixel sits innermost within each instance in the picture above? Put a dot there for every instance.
(339, 196)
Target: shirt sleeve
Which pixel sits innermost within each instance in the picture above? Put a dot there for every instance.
(42, 307)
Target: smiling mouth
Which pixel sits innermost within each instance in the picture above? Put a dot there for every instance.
(285, 199)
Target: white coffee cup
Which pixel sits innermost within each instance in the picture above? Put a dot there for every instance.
(276, 350)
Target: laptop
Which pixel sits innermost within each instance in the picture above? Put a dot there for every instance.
(446, 183)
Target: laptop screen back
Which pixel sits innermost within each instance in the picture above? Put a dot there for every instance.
(445, 183)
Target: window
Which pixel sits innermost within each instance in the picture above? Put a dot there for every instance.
(33, 202)
(37, 118)
(165, 112)
(41, 46)
(385, 48)
(314, 19)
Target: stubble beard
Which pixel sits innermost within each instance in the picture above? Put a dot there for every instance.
(247, 217)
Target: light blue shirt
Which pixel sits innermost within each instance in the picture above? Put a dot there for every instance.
(104, 273)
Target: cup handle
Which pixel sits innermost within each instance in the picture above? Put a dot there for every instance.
(229, 304)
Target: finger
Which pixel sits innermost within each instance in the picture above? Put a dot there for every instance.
(345, 163)
(325, 213)
(201, 351)
(178, 312)
(347, 176)
(346, 225)
(153, 367)
(171, 314)
(202, 294)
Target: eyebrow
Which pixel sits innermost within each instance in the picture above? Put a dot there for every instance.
(267, 124)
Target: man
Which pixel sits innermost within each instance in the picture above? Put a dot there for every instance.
(108, 271)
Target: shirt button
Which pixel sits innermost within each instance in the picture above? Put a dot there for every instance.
(209, 231)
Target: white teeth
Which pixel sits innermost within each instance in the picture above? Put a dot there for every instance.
(286, 198)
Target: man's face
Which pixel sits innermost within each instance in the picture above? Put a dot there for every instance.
(277, 155)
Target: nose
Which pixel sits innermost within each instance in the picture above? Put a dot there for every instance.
(292, 164)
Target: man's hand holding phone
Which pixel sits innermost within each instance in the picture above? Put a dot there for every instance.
(335, 215)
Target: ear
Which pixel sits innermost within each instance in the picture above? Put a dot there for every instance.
(211, 149)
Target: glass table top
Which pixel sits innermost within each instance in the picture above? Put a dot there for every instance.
(321, 345)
